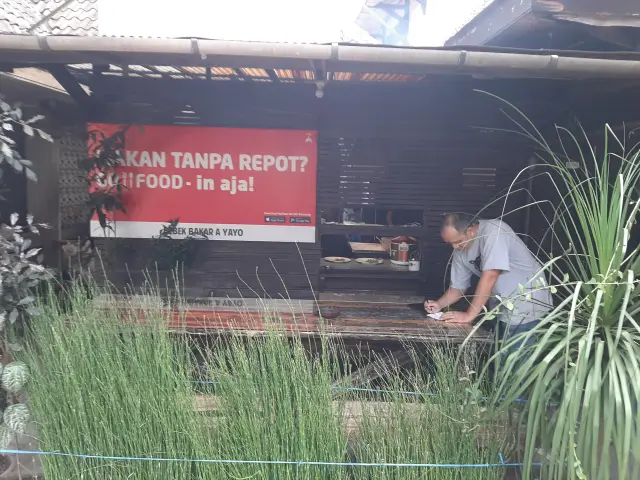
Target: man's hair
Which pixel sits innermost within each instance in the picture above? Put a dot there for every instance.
(460, 221)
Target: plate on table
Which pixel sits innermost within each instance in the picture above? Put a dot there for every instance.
(370, 261)
(337, 259)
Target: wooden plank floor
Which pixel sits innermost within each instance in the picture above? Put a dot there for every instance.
(355, 322)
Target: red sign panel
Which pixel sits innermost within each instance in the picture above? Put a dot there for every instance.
(225, 183)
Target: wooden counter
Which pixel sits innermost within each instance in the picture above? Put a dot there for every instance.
(357, 322)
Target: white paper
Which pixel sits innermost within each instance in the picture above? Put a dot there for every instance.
(435, 316)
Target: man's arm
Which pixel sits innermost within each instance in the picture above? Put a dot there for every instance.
(460, 282)
(480, 299)
(451, 296)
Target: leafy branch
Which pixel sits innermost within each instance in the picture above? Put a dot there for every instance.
(170, 252)
(100, 170)
(10, 118)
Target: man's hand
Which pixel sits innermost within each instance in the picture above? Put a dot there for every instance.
(431, 306)
(459, 318)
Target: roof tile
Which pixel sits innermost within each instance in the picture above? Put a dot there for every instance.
(52, 17)
(16, 16)
(78, 17)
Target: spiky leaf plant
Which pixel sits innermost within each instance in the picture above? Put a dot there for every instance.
(581, 375)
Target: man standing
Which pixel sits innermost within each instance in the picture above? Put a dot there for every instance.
(491, 250)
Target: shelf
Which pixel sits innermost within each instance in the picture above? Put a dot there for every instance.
(364, 298)
(373, 230)
(354, 269)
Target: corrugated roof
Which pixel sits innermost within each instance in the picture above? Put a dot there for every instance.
(49, 17)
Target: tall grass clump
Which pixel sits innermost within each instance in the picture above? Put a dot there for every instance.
(438, 422)
(110, 382)
(582, 374)
(276, 403)
(101, 388)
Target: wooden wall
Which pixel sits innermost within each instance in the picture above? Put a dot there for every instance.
(417, 146)
(221, 269)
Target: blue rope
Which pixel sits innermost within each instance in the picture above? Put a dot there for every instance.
(266, 462)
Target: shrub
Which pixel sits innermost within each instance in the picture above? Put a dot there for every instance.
(21, 273)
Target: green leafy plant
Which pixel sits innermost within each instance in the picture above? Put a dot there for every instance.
(21, 273)
(581, 375)
(170, 253)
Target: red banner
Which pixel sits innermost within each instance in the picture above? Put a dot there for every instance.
(224, 183)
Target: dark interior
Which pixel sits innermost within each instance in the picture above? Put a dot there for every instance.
(418, 150)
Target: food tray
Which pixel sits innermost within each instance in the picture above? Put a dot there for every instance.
(359, 247)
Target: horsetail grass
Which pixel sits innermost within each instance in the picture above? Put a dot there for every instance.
(97, 387)
(101, 386)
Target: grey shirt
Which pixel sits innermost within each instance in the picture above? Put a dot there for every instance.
(497, 247)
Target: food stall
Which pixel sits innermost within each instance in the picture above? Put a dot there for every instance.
(403, 136)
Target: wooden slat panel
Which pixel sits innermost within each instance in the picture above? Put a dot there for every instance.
(419, 174)
(265, 284)
(247, 269)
